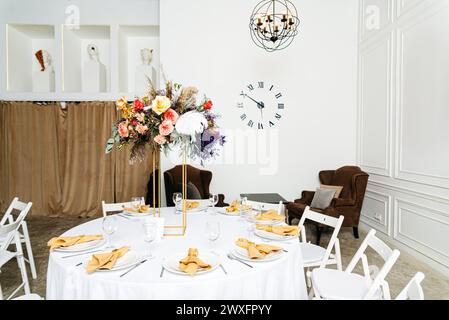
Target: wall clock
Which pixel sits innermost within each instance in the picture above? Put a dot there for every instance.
(261, 105)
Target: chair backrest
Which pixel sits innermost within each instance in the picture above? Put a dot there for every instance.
(351, 178)
(323, 219)
(375, 277)
(16, 204)
(10, 229)
(173, 179)
(413, 290)
(329, 221)
(114, 207)
(278, 207)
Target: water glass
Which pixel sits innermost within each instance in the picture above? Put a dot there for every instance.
(136, 202)
(149, 235)
(212, 232)
(213, 198)
(177, 198)
(109, 227)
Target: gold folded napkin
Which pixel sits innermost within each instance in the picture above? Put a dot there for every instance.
(236, 206)
(141, 209)
(106, 260)
(192, 205)
(270, 215)
(280, 230)
(58, 242)
(256, 251)
(192, 263)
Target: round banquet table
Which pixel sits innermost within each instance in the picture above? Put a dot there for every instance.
(279, 279)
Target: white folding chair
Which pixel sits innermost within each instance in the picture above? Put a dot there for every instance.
(278, 207)
(339, 285)
(413, 290)
(11, 233)
(115, 207)
(24, 235)
(314, 255)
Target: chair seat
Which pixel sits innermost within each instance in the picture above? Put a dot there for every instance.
(338, 285)
(312, 253)
(31, 296)
(5, 256)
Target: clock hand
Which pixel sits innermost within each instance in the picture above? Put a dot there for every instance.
(259, 104)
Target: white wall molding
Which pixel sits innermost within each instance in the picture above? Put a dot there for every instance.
(413, 188)
(409, 191)
(413, 227)
(400, 172)
(374, 218)
(385, 168)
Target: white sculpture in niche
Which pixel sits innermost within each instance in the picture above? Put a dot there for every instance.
(144, 72)
(44, 79)
(94, 72)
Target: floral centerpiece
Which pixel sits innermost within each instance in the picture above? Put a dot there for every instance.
(165, 119)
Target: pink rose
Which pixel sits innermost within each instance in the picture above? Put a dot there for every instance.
(123, 130)
(171, 115)
(166, 127)
(160, 139)
(141, 129)
(140, 117)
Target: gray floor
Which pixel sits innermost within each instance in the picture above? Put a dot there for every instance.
(436, 286)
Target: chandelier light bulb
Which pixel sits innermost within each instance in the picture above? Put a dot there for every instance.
(274, 24)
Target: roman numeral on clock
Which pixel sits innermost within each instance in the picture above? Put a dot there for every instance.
(243, 117)
(261, 84)
(250, 87)
(240, 105)
(281, 106)
(271, 88)
(278, 116)
(260, 126)
(279, 95)
(251, 123)
(271, 124)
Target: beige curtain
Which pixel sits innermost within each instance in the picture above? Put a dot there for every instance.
(55, 158)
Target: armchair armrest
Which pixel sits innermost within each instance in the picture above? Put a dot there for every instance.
(340, 202)
(306, 197)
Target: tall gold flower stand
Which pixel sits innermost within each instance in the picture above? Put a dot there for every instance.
(170, 230)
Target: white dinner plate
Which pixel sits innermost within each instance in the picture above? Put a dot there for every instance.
(232, 214)
(130, 259)
(85, 246)
(268, 222)
(243, 254)
(272, 236)
(137, 214)
(171, 263)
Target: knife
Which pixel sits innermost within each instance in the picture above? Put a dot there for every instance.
(131, 269)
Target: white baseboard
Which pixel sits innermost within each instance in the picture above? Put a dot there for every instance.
(403, 248)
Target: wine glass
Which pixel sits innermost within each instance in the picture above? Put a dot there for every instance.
(213, 198)
(177, 198)
(109, 227)
(251, 224)
(212, 232)
(243, 201)
(136, 202)
(149, 235)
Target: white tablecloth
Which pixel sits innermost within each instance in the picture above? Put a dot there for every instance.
(280, 279)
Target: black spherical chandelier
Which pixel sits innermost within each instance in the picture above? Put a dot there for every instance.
(274, 24)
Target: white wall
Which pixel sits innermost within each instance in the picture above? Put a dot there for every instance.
(403, 116)
(207, 44)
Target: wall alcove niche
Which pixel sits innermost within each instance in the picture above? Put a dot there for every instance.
(132, 39)
(22, 42)
(75, 57)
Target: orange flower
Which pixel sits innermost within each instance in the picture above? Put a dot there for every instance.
(160, 139)
(121, 103)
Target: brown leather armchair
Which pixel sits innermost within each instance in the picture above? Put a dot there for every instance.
(200, 178)
(349, 204)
